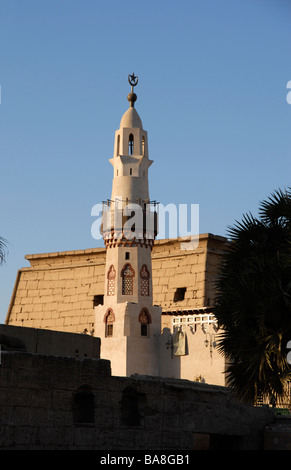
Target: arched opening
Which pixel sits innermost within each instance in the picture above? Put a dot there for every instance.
(118, 145)
(145, 280)
(145, 320)
(83, 406)
(143, 145)
(127, 275)
(109, 319)
(130, 414)
(111, 280)
(130, 144)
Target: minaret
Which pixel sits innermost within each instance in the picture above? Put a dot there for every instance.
(127, 323)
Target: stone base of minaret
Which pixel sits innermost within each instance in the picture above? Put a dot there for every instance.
(130, 339)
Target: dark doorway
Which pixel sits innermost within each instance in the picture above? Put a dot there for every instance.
(83, 406)
(130, 414)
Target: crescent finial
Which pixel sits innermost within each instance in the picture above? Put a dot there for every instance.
(133, 80)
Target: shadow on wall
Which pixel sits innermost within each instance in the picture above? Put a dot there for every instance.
(131, 404)
(170, 364)
(192, 354)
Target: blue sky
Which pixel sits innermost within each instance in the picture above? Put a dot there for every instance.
(211, 94)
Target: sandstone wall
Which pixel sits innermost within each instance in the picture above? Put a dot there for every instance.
(58, 290)
(62, 403)
(43, 341)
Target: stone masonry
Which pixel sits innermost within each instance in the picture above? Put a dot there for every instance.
(58, 290)
(65, 403)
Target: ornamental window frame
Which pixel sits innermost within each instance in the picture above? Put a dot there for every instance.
(144, 281)
(111, 275)
(109, 319)
(145, 321)
(180, 322)
(127, 275)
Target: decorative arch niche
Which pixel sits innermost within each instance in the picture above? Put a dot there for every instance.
(144, 280)
(145, 320)
(127, 275)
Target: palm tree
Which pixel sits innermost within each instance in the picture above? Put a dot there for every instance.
(253, 301)
(2, 250)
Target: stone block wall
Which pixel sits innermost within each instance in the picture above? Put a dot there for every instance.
(58, 290)
(277, 435)
(65, 403)
(175, 268)
(42, 341)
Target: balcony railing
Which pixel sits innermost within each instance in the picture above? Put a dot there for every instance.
(131, 219)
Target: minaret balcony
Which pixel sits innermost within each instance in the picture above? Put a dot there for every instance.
(131, 222)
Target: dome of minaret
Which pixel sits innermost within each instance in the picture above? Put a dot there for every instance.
(131, 119)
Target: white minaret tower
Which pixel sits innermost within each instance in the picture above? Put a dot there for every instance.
(127, 323)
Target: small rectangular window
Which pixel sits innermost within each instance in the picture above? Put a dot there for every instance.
(98, 300)
(127, 255)
(109, 330)
(130, 145)
(130, 171)
(127, 280)
(179, 294)
(144, 330)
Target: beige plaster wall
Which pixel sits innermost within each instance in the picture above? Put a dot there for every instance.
(129, 352)
(201, 363)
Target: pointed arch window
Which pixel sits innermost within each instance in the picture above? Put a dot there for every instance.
(130, 144)
(145, 320)
(143, 144)
(127, 275)
(109, 319)
(111, 275)
(145, 280)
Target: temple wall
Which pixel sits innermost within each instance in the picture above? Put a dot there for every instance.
(59, 290)
(67, 403)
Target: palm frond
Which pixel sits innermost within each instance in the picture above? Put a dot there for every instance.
(253, 300)
(277, 208)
